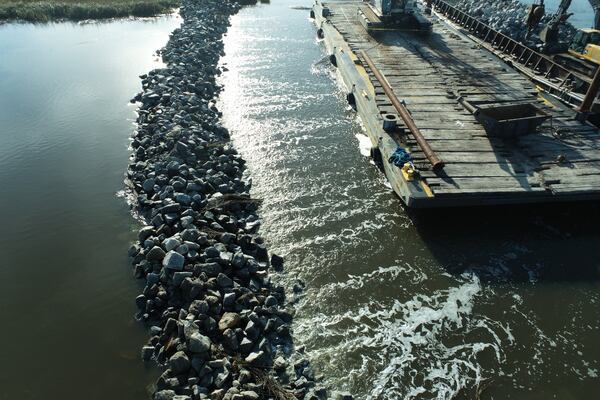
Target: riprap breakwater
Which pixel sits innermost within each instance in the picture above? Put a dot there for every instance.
(218, 323)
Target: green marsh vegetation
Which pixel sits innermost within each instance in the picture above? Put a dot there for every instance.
(77, 10)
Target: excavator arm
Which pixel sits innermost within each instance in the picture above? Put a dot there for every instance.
(596, 6)
(537, 9)
(550, 33)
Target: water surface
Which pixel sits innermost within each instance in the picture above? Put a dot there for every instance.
(502, 301)
(66, 304)
(583, 14)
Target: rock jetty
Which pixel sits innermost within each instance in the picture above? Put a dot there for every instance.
(219, 326)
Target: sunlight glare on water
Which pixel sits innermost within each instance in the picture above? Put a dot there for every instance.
(399, 305)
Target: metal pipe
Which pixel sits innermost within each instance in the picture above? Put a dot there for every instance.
(468, 106)
(590, 96)
(435, 161)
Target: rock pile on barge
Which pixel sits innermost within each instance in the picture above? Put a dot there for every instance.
(218, 324)
(508, 17)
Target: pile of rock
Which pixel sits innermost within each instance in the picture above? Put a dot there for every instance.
(218, 324)
(508, 17)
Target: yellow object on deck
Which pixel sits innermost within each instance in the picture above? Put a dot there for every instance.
(408, 172)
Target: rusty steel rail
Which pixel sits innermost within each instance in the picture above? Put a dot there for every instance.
(566, 84)
(435, 161)
(592, 93)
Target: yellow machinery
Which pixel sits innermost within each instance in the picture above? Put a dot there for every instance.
(582, 54)
(586, 45)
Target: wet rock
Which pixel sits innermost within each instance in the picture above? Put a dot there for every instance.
(147, 352)
(165, 395)
(173, 261)
(179, 363)
(230, 340)
(208, 295)
(224, 281)
(252, 331)
(257, 358)
(277, 262)
(145, 233)
(155, 254)
(270, 301)
(246, 345)
(178, 277)
(190, 235)
(198, 343)
(342, 396)
(229, 299)
(210, 269)
(280, 364)
(229, 320)
(183, 198)
(249, 395)
(171, 243)
(227, 238)
(148, 185)
(222, 378)
(211, 252)
(140, 301)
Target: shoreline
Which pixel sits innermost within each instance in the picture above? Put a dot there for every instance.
(218, 324)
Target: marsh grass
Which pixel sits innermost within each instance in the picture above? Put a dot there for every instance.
(77, 10)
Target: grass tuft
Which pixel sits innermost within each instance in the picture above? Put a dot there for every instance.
(77, 10)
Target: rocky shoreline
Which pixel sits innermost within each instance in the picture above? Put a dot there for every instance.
(219, 326)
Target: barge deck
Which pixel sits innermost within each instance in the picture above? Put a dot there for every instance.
(446, 82)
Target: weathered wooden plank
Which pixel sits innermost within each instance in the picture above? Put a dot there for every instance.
(453, 132)
(426, 72)
(575, 188)
(468, 157)
(571, 155)
(480, 170)
(487, 191)
(523, 182)
(473, 145)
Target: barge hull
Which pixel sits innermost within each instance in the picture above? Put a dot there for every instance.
(433, 76)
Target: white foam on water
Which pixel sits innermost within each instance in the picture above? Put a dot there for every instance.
(381, 274)
(364, 144)
(407, 347)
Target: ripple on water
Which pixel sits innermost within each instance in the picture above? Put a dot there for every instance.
(391, 310)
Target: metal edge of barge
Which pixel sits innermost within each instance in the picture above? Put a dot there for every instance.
(443, 81)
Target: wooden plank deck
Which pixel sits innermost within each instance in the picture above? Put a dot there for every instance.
(561, 161)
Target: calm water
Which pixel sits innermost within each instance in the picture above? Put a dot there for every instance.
(504, 301)
(66, 303)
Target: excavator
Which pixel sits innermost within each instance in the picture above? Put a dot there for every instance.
(398, 15)
(583, 52)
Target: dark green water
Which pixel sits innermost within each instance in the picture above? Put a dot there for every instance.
(66, 303)
(403, 306)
